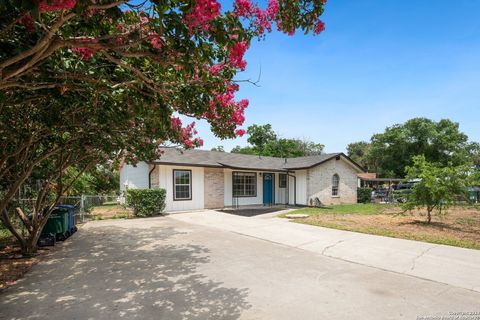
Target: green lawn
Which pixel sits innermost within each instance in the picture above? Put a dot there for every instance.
(358, 208)
(459, 227)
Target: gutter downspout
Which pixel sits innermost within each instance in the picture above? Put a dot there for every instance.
(150, 176)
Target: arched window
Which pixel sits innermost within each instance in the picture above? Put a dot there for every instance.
(335, 184)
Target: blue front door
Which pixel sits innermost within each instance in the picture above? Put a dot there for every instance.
(268, 188)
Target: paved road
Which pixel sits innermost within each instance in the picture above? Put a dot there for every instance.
(164, 268)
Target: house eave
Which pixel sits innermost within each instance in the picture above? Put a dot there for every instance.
(186, 164)
(254, 169)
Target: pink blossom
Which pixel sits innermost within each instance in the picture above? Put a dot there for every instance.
(272, 9)
(27, 22)
(261, 21)
(84, 53)
(240, 132)
(224, 99)
(243, 103)
(189, 143)
(202, 13)
(243, 8)
(156, 42)
(175, 122)
(198, 142)
(215, 69)
(319, 27)
(236, 54)
(238, 117)
(55, 5)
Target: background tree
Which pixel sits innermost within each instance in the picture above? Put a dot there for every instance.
(264, 141)
(390, 152)
(101, 179)
(359, 152)
(310, 148)
(218, 148)
(438, 186)
(260, 135)
(244, 150)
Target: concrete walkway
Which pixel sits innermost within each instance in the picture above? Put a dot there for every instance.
(445, 264)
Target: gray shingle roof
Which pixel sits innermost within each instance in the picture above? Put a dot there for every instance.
(206, 158)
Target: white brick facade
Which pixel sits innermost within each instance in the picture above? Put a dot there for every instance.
(319, 182)
(211, 187)
(214, 188)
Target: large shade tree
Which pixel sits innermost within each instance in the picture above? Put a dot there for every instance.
(83, 81)
(264, 141)
(390, 152)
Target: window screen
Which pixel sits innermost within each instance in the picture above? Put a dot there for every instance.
(244, 184)
(182, 184)
(335, 183)
(282, 181)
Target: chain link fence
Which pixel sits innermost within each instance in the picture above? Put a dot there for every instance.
(83, 203)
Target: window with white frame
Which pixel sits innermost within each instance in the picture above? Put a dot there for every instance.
(244, 184)
(335, 184)
(182, 184)
(282, 180)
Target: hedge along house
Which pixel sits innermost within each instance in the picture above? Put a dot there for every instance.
(199, 179)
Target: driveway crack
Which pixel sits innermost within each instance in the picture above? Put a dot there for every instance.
(331, 246)
(419, 256)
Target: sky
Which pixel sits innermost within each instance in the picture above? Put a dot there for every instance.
(378, 63)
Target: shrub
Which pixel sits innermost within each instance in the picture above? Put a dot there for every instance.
(364, 195)
(437, 187)
(146, 202)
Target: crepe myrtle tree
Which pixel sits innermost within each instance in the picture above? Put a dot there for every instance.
(184, 54)
(83, 81)
(48, 136)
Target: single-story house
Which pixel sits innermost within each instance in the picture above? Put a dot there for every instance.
(199, 179)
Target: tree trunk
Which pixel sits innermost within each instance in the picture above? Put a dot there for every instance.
(429, 215)
(29, 247)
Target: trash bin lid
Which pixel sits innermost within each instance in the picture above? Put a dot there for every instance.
(66, 206)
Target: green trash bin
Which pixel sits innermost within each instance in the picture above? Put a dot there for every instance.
(57, 224)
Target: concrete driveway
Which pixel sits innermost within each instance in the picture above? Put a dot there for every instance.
(166, 268)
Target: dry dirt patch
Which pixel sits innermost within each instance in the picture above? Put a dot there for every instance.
(110, 212)
(459, 227)
(13, 266)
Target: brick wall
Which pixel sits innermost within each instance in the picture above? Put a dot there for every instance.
(155, 177)
(214, 188)
(319, 182)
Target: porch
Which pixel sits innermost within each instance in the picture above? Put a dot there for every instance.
(257, 210)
